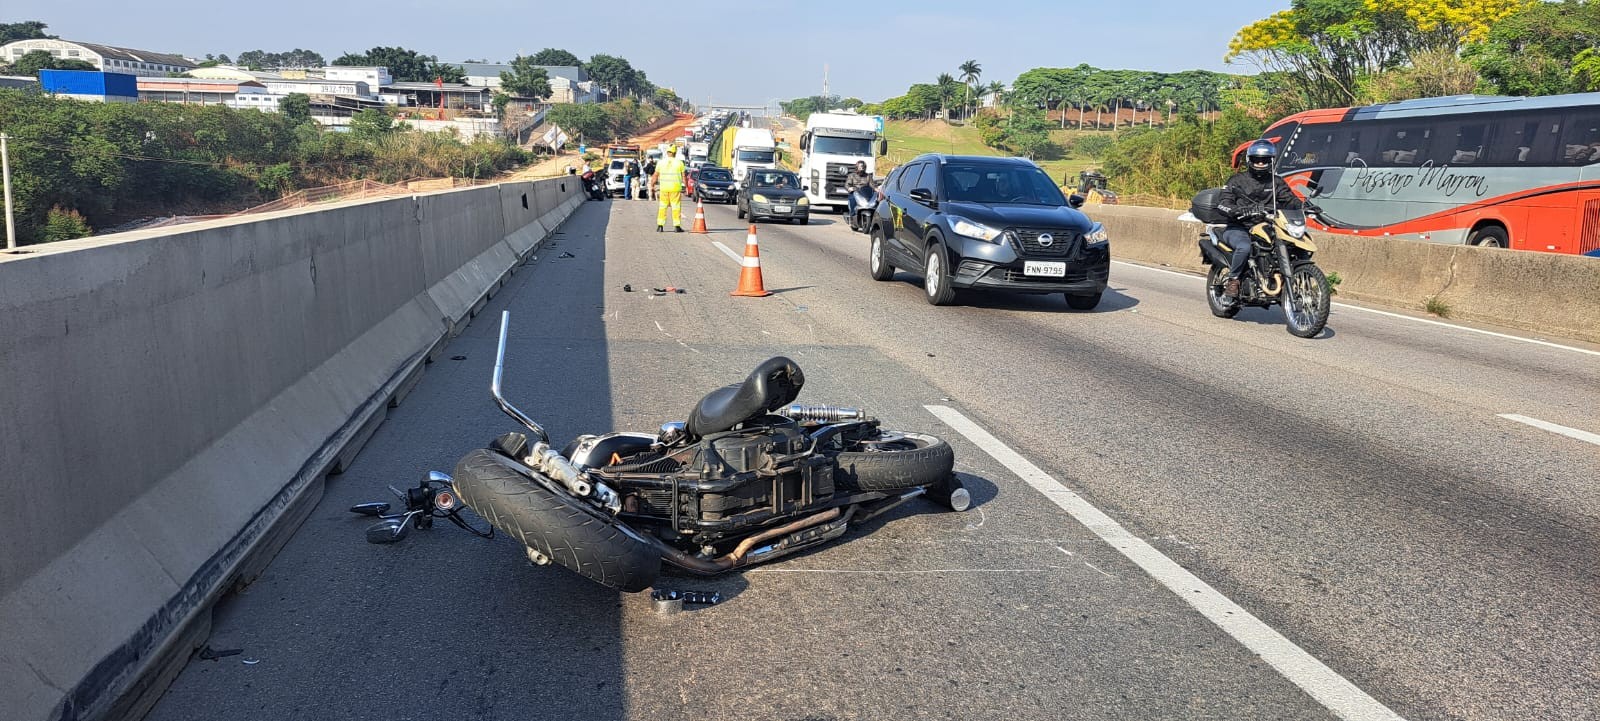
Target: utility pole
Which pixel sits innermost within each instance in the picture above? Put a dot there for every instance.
(5, 167)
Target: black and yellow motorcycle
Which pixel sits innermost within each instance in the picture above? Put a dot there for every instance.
(1280, 270)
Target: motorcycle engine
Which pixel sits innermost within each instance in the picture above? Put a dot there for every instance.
(764, 470)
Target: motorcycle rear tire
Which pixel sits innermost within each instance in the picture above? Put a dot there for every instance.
(928, 461)
(568, 531)
(1219, 307)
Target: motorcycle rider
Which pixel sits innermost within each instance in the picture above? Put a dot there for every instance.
(1246, 199)
(856, 179)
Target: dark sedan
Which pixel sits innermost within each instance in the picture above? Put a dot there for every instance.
(987, 223)
(712, 183)
(774, 195)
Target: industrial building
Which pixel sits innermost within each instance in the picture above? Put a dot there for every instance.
(105, 58)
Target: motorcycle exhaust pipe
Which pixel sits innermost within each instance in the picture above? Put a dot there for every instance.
(823, 414)
(736, 557)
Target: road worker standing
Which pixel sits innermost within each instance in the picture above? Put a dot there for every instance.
(669, 190)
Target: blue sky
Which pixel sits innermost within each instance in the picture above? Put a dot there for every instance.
(731, 51)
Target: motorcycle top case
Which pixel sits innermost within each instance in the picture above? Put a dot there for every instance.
(1204, 207)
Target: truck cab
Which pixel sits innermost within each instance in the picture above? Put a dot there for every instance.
(833, 143)
(752, 148)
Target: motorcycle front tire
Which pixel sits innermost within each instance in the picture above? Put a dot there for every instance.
(920, 460)
(566, 530)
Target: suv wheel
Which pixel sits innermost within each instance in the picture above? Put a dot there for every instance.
(935, 281)
(876, 262)
(1083, 302)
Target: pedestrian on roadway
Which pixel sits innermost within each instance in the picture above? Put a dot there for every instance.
(630, 177)
(650, 173)
(669, 190)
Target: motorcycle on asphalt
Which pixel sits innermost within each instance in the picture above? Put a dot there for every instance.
(866, 207)
(592, 184)
(749, 477)
(1279, 272)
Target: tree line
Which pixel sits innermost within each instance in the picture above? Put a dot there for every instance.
(77, 166)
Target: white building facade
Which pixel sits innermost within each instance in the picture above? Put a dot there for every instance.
(104, 58)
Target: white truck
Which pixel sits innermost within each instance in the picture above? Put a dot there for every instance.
(832, 144)
(752, 148)
(699, 154)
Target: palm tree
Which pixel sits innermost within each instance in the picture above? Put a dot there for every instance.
(998, 90)
(970, 72)
(944, 83)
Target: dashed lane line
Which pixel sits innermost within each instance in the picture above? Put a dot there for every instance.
(1584, 436)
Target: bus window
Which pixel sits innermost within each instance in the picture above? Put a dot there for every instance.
(1524, 139)
(1580, 145)
(1462, 144)
(1404, 145)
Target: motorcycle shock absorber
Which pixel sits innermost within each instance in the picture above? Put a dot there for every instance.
(824, 413)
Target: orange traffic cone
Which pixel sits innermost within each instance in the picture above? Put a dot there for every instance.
(699, 218)
(750, 276)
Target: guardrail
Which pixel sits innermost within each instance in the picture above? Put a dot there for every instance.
(174, 399)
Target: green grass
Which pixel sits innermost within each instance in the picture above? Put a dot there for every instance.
(910, 138)
(1433, 304)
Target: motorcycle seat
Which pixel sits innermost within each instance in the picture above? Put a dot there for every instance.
(773, 384)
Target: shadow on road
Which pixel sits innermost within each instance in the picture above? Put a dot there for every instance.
(442, 624)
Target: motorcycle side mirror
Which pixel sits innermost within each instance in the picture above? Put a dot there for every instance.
(389, 531)
(1075, 200)
(370, 509)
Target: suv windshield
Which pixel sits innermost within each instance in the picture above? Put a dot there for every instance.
(756, 156)
(774, 179)
(995, 183)
(841, 146)
(717, 174)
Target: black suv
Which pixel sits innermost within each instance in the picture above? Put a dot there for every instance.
(990, 223)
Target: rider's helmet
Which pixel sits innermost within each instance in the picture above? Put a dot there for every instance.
(1259, 157)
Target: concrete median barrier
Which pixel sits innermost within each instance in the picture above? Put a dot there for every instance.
(1545, 293)
(175, 397)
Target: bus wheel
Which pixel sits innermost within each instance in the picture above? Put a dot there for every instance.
(1490, 236)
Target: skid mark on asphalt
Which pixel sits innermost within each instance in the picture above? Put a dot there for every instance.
(1323, 684)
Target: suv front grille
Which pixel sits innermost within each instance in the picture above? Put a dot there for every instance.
(1063, 242)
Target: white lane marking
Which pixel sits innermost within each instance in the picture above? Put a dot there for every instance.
(1333, 691)
(904, 572)
(1413, 319)
(1584, 436)
(737, 258)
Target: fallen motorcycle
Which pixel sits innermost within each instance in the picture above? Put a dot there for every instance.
(749, 477)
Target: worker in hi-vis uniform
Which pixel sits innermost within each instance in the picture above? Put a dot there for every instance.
(669, 189)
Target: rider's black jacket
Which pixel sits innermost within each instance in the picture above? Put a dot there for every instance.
(1244, 194)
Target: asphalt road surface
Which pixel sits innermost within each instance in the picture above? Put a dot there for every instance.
(1176, 516)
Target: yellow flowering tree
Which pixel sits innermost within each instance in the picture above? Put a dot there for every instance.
(1330, 47)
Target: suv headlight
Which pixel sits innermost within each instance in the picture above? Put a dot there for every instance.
(802, 201)
(759, 198)
(1097, 235)
(965, 227)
